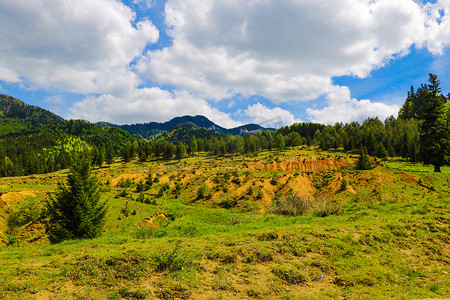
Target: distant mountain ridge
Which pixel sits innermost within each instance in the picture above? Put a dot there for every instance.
(147, 130)
(183, 133)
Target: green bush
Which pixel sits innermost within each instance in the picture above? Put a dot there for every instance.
(164, 187)
(289, 275)
(202, 191)
(170, 261)
(291, 205)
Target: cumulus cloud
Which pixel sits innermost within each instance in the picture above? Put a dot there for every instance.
(270, 117)
(341, 107)
(285, 50)
(78, 46)
(144, 105)
(281, 50)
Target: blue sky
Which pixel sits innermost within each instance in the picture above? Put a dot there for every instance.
(233, 61)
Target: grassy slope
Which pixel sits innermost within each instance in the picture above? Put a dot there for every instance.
(390, 241)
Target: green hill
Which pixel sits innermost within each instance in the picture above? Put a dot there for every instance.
(34, 140)
(17, 116)
(184, 132)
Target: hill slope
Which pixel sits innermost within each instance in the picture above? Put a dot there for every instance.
(34, 140)
(183, 133)
(382, 235)
(16, 116)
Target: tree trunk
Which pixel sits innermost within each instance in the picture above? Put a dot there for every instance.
(437, 168)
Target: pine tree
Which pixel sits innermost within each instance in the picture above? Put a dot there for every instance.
(180, 151)
(434, 132)
(280, 141)
(363, 162)
(76, 210)
(193, 146)
(109, 157)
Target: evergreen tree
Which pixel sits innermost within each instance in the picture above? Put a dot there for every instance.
(280, 144)
(76, 210)
(193, 147)
(363, 162)
(109, 157)
(100, 157)
(434, 132)
(125, 153)
(180, 151)
(168, 150)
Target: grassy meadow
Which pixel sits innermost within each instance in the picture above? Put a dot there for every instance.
(295, 224)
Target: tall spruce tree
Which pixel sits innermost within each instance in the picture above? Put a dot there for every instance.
(193, 146)
(363, 162)
(434, 132)
(76, 211)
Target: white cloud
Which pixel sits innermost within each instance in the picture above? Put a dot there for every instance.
(145, 105)
(78, 46)
(144, 4)
(270, 117)
(279, 49)
(284, 50)
(341, 107)
(8, 75)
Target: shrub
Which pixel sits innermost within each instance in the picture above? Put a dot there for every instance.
(236, 180)
(140, 198)
(164, 187)
(259, 195)
(201, 191)
(274, 180)
(140, 187)
(228, 203)
(324, 208)
(170, 261)
(291, 205)
(289, 275)
(344, 185)
(29, 212)
(250, 191)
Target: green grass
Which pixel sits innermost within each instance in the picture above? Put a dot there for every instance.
(390, 240)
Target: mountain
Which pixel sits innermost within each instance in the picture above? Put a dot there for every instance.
(147, 130)
(183, 133)
(17, 116)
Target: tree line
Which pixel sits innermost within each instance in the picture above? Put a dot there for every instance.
(420, 133)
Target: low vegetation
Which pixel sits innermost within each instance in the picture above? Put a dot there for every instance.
(278, 233)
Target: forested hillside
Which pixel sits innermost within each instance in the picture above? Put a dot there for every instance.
(34, 140)
(16, 116)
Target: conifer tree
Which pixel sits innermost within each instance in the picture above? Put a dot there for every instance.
(109, 157)
(280, 144)
(363, 162)
(180, 151)
(76, 211)
(434, 132)
(193, 146)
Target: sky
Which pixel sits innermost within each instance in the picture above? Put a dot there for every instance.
(270, 62)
